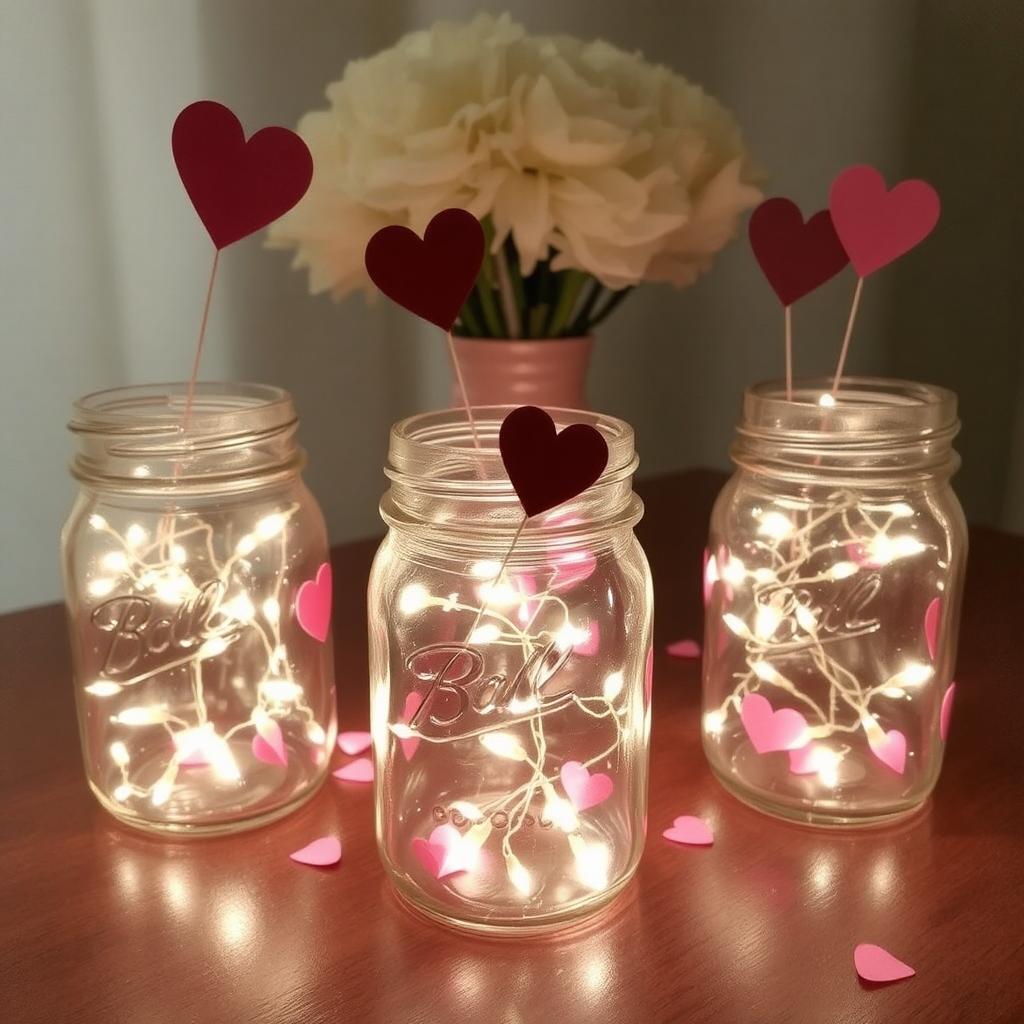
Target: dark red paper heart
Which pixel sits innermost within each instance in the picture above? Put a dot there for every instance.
(546, 467)
(795, 257)
(237, 187)
(432, 276)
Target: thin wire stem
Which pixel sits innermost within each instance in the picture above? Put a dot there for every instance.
(462, 390)
(191, 392)
(846, 338)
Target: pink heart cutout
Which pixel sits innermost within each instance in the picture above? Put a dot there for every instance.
(444, 853)
(876, 964)
(353, 743)
(583, 789)
(946, 711)
(684, 649)
(891, 751)
(932, 616)
(320, 853)
(360, 770)
(313, 604)
(690, 831)
(772, 730)
(268, 753)
(804, 761)
(878, 226)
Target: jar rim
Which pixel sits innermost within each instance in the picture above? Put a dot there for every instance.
(863, 409)
(438, 447)
(219, 408)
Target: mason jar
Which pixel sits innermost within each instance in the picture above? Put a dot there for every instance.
(832, 584)
(197, 584)
(510, 685)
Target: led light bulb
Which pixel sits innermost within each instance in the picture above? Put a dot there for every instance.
(713, 722)
(841, 570)
(103, 688)
(517, 874)
(154, 714)
(764, 670)
(119, 753)
(775, 525)
(102, 586)
(122, 792)
(135, 536)
(271, 610)
(97, 522)
(766, 621)
(211, 648)
(315, 733)
(414, 598)
(737, 625)
(270, 526)
(504, 745)
(280, 691)
(115, 561)
(612, 686)
(246, 545)
(593, 860)
(485, 634)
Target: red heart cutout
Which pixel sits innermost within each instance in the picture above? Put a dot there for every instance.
(546, 467)
(876, 226)
(794, 256)
(429, 277)
(237, 187)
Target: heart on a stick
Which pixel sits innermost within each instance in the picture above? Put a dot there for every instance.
(236, 185)
(547, 467)
(432, 276)
(877, 226)
(796, 257)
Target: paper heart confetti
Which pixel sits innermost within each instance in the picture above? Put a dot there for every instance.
(876, 964)
(889, 747)
(445, 852)
(360, 770)
(946, 711)
(412, 704)
(432, 276)
(796, 257)
(313, 604)
(267, 752)
(548, 467)
(877, 226)
(583, 789)
(932, 617)
(353, 743)
(683, 649)
(689, 831)
(237, 186)
(320, 853)
(771, 730)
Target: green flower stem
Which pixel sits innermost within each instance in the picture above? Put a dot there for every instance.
(538, 315)
(614, 298)
(508, 301)
(572, 282)
(512, 260)
(485, 282)
(581, 325)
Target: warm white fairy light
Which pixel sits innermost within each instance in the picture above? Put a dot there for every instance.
(737, 625)
(517, 874)
(97, 522)
(468, 810)
(315, 733)
(593, 860)
(413, 598)
(280, 691)
(122, 792)
(485, 634)
(102, 586)
(504, 745)
(713, 722)
(270, 526)
(135, 536)
(154, 714)
(826, 401)
(485, 569)
(733, 571)
(766, 621)
(271, 610)
(119, 754)
(841, 570)
(775, 525)
(613, 684)
(103, 688)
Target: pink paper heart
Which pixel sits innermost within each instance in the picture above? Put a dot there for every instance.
(932, 616)
(583, 789)
(353, 743)
(876, 964)
(268, 753)
(360, 770)
(946, 711)
(684, 649)
(445, 852)
(878, 226)
(320, 853)
(772, 730)
(412, 704)
(690, 831)
(313, 604)
(804, 761)
(891, 751)
(190, 746)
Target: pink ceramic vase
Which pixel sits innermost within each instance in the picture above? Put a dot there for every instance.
(533, 371)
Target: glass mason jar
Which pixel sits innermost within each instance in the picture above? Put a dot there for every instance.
(832, 587)
(205, 700)
(509, 700)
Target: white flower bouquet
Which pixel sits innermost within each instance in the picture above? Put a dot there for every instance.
(590, 169)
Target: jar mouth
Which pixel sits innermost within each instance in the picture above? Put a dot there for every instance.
(436, 450)
(138, 433)
(863, 409)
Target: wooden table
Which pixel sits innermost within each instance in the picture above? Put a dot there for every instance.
(99, 923)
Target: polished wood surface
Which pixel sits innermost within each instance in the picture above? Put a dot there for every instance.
(99, 923)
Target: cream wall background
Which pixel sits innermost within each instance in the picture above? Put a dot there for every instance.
(102, 261)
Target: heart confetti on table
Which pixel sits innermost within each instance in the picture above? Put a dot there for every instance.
(237, 186)
(313, 604)
(796, 257)
(360, 770)
(353, 743)
(932, 617)
(877, 226)
(445, 852)
(771, 730)
(583, 789)
(876, 964)
(548, 467)
(320, 853)
(889, 747)
(689, 831)
(683, 649)
(946, 711)
(432, 276)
